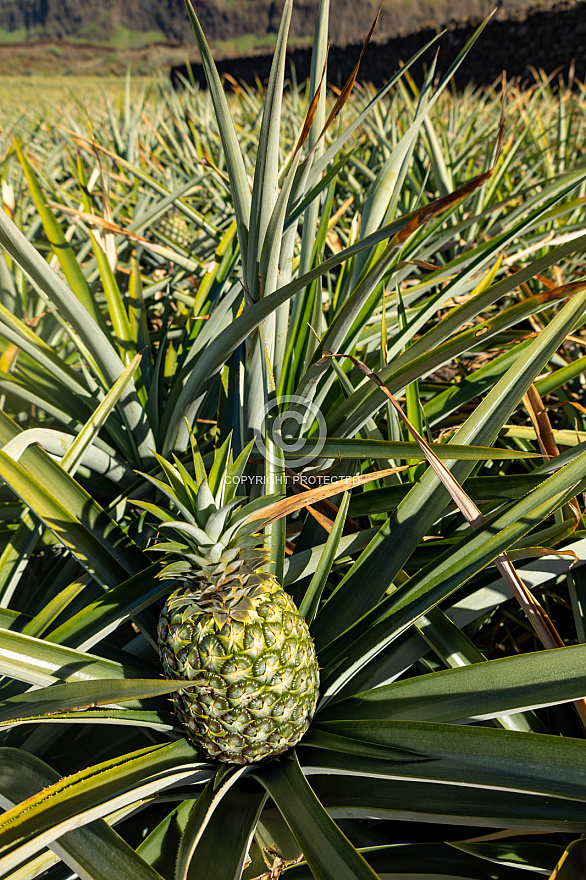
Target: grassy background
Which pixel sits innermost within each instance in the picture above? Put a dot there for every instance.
(57, 96)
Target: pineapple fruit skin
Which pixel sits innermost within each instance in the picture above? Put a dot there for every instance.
(255, 681)
(173, 226)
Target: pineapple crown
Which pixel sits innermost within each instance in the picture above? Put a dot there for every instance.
(212, 547)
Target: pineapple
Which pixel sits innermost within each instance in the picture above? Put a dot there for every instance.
(174, 227)
(231, 629)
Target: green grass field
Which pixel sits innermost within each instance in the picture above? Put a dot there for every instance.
(48, 97)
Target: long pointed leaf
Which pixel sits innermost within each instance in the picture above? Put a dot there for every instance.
(95, 852)
(328, 852)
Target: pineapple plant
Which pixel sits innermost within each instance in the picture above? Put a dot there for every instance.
(231, 629)
(445, 741)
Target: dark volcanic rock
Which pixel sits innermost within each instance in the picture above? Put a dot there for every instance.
(551, 39)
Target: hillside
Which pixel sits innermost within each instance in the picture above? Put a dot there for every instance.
(237, 25)
(82, 37)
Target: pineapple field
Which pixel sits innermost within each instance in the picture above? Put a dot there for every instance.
(293, 460)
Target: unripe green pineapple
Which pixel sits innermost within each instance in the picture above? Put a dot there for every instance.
(232, 630)
(173, 225)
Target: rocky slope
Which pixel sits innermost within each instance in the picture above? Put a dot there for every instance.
(548, 39)
(225, 20)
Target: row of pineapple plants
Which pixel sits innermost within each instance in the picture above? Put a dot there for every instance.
(176, 264)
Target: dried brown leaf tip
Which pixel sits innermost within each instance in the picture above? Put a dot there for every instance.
(286, 506)
(309, 119)
(347, 90)
(437, 207)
